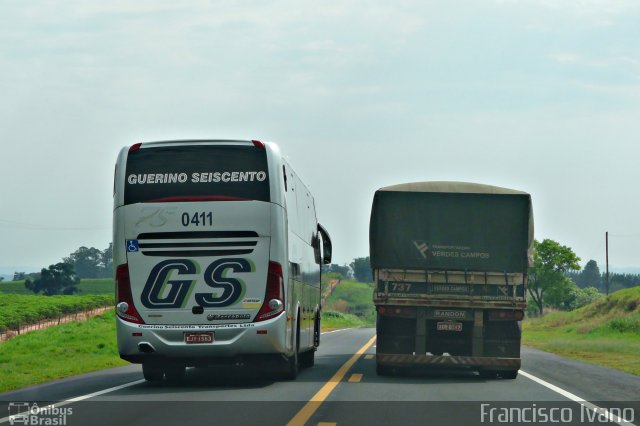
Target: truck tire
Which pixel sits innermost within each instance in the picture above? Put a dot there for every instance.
(509, 375)
(488, 374)
(383, 370)
(152, 372)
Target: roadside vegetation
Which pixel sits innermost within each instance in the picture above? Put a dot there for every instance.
(22, 309)
(355, 299)
(605, 332)
(65, 350)
(86, 286)
(332, 320)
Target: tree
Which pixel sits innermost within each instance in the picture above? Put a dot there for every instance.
(57, 279)
(106, 259)
(590, 275)
(361, 268)
(586, 296)
(344, 271)
(87, 262)
(551, 261)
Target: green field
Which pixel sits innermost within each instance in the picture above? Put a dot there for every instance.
(60, 351)
(606, 332)
(353, 298)
(86, 286)
(22, 309)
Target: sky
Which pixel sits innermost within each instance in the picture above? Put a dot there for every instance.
(536, 95)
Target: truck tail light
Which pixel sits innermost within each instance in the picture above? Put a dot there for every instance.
(398, 311)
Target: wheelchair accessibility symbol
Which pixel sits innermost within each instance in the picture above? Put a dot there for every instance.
(132, 246)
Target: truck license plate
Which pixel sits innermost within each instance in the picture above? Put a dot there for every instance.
(195, 338)
(449, 326)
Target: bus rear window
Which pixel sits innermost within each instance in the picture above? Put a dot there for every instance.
(194, 173)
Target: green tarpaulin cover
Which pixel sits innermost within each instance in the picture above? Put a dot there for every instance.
(451, 226)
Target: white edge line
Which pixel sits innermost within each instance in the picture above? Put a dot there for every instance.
(334, 331)
(87, 396)
(575, 398)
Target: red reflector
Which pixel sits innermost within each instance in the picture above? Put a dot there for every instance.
(123, 294)
(136, 334)
(258, 144)
(261, 332)
(135, 147)
(275, 290)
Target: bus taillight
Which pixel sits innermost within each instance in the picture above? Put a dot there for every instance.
(124, 301)
(273, 302)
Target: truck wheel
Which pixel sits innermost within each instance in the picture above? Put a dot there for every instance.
(152, 372)
(174, 373)
(488, 374)
(383, 370)
(510, 374)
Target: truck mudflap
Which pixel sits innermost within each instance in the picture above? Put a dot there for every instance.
(407, 360)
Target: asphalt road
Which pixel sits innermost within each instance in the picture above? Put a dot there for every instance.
(343, 389)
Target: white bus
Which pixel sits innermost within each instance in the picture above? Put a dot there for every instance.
(217, 253)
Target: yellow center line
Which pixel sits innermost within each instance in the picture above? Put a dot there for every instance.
(355, 378)
(316, 400)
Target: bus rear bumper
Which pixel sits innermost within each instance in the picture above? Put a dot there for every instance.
(139, 343)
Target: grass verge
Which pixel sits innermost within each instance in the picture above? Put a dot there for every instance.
(334, 320)
(57, 352)
(606, 332)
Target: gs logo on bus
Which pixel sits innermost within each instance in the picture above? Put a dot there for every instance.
(229, 290)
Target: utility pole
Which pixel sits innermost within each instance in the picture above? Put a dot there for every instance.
(606, 237)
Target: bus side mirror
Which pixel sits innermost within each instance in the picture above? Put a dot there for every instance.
(326, 245)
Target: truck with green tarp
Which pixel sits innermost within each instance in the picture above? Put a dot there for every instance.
(450, 262)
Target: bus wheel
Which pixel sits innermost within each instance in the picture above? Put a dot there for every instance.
(308, 358)
(152, 372)
(174, 373)
(292, 366)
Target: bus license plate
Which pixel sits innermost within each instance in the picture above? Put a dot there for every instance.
(198, 337)
(449, 326)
